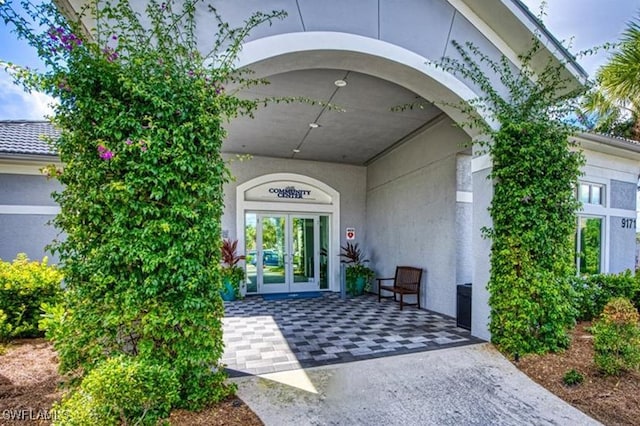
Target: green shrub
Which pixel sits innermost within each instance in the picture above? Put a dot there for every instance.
(121, 390)
(141, 112)
(24, 287)
(572, 377)
(5, 327)
(594, 291)
(5, 331)
(617, 338)
(534, 171)
(531, 309)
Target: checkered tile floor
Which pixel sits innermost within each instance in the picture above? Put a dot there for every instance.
(269, 336)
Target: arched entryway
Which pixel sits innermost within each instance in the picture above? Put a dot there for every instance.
(396, 43)
(288, 226)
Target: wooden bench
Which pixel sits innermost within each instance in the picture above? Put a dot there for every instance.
(406, 281)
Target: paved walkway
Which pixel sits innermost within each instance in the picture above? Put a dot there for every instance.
(271, 336)
(470, 385)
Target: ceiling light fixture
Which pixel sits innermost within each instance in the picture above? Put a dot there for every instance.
(340, 83)
(314, 125)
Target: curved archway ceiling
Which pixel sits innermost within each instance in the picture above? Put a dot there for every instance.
(364, 128)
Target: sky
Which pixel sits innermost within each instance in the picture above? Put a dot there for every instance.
(584, 23)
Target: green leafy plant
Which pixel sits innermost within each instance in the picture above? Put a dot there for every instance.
(594, 291)
(141, 106)
(616, 338)
(232, 273)
(5, 331)
(615, 101)
(356, 270)
(24, 286)
(522, 116)
(121, 390)
(535, 168)
(573, 377)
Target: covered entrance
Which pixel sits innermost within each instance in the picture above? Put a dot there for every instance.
(286, 252)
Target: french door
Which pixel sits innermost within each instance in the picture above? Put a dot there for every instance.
(286, 252)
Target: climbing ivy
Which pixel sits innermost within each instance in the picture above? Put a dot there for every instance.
(524, 118)
(141, 113)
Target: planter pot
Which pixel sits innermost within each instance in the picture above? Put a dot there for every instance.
(227, 293)
(360, 283)
(358, 288)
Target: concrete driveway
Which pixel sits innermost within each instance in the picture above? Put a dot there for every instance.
(471, 385)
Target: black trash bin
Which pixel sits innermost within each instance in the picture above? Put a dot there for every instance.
(463, 310)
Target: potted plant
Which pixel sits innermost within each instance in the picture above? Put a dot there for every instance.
(233, 276)
(358, 275)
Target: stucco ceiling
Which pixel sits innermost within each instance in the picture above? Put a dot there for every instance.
(360, 126)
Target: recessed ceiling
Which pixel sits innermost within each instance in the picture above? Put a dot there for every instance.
(359, 126)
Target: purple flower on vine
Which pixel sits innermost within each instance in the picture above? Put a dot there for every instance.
(104, 153)
(112, 55)
(128, 142)
(63, 85)
(68, 40)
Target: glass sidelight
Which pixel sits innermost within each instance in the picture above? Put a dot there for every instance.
(286, 252)
(274, 254)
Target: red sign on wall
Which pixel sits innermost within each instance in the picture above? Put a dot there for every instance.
(351, 233)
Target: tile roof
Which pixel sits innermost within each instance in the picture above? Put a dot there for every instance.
(611, 140)
(620, 138)
(26, 137)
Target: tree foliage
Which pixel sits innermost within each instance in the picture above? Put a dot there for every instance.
(141, 113)
(616, 98)
(535, 171)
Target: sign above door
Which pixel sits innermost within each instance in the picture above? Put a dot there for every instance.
(287, 191)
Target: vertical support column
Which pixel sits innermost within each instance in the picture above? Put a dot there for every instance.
(464, 219)
(482, 195)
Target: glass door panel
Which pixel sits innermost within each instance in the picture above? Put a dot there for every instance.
(273, 254)
(303, 248)
(286, 252)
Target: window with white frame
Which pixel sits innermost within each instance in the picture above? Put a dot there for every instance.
(588, 244)
(591, 193)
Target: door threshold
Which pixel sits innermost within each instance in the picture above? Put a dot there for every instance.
(293, 295)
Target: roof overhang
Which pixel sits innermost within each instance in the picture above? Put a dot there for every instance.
(609, 145)
(514, 23)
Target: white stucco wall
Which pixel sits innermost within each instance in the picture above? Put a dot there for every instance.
(619, 176)
(464, 219)
(411, 210)
(482, 196)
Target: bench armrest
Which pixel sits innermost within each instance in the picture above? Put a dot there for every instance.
(385, 279)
